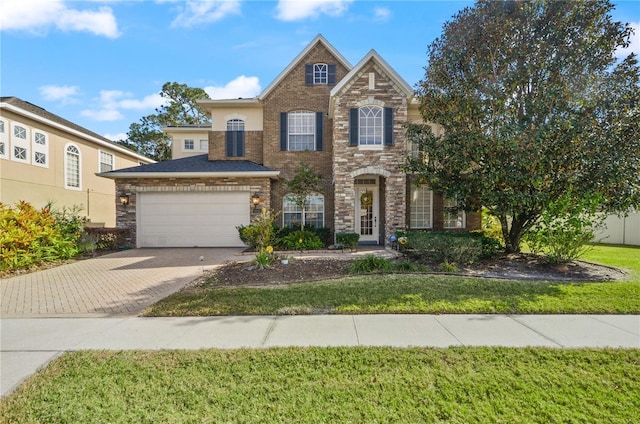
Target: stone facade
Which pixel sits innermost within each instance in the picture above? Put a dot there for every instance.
(342, 165)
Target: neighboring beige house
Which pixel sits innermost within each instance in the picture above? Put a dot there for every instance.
(46, 159)
(188, 140)
(347, 122)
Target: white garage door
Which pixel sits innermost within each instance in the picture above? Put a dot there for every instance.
(191, 219)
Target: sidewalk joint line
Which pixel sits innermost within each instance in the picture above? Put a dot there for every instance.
(270, 329)
(515, 318)
(448, 331)
(615, 326)
(355, 329)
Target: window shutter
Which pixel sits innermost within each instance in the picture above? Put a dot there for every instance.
(240, 143)
(308, 74)
(331, 74)
(388, 126)
(319, 130)
(229, 143)
(353, 126)
(283, 131)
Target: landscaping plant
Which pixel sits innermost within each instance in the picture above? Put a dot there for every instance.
(30, 236)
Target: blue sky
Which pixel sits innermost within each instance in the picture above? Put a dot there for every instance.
(101, 64)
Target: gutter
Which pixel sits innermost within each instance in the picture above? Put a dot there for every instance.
(114, 175)
(80, 134)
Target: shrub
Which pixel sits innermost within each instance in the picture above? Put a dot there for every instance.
(265, 257)
(348, 240)
(445, 247)
(301, 240)
(565, 228)
(29, 236)
(369, 264)
(324, 234)
(109, 238)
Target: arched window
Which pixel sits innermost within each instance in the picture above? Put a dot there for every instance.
(234, 138)
(370, 125)
(312, 214)
(72, 168)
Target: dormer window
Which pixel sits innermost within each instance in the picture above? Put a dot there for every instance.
(320, 74)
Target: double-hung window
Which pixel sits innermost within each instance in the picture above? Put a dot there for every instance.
(302, 131)
(313, 211)
(106, 161)
(189, 144)
(421, 207)
(234, 138)
(454, 217)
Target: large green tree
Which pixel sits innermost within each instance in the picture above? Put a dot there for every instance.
(146, 136)
(529, 103)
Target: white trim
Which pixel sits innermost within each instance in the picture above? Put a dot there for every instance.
(40, 148)
(22, 143)
(4, 139)
(319, 39)
(66, 186)
(80, 134)
(257, 174)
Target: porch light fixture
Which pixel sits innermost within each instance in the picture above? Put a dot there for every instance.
(124, 199)
(255, 200)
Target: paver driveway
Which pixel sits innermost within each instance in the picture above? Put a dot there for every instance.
(118, 284)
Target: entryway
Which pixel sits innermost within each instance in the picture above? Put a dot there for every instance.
(367, 208)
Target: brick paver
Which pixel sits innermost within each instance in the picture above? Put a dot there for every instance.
(118, 284)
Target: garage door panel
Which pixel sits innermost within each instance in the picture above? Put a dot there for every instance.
(192, 219)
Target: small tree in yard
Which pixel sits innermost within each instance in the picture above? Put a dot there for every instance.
(304, 183)
(533, 108)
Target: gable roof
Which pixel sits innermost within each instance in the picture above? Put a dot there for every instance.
(397, 80)
(42, 115)
(319, 39)
(194, 166)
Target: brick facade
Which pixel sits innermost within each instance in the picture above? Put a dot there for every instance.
(371, 83)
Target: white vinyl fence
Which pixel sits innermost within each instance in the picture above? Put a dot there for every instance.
(621, 230)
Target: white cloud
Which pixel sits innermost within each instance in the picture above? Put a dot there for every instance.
(61, 93)
(242, 86)
(381, 14)
(102, 114)
(111, 102)
(195, 12)
(634, 47)
(37, 16)
(295, 10)
(116, 137)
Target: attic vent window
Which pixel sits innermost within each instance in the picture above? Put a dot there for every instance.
(320, 73)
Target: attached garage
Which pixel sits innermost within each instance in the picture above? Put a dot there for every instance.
(190, 202)
(191, 219)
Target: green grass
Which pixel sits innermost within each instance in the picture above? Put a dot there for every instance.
(410, 293)
(326, 385)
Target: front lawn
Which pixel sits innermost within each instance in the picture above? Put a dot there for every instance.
(416, 293)
(322, 385)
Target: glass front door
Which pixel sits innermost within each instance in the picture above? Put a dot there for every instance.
(367, 213)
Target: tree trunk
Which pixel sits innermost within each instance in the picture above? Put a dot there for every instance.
(513, 233)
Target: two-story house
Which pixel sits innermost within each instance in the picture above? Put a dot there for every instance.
(346, 122)
(45, 159)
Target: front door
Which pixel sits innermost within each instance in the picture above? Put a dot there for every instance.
(367, 202)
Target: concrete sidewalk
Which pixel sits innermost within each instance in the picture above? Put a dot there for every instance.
(29, 344)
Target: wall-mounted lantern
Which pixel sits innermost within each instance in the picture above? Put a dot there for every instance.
(256, 200)
(124, 199)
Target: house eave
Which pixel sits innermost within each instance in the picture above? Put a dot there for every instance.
(115, 175)
(209, 105)
(80, 134)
